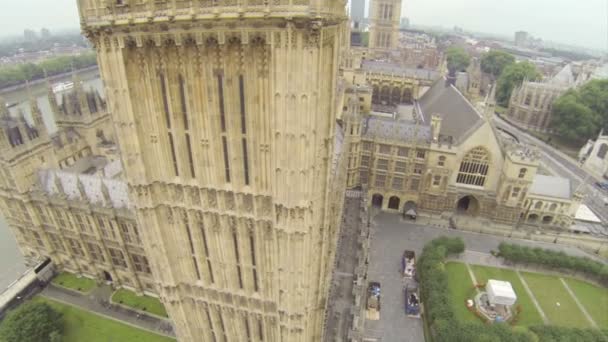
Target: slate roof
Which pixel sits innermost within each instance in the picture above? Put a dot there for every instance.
(384, 128)
(56, 182)
(551, 186)
(459, 117)
(394, 69)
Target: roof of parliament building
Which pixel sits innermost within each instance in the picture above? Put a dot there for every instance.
(92, 180)
(459, 117)
(551, 186)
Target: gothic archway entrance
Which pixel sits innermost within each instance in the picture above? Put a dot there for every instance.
(468, 205)
(107, 276)
(393, 203)
(377, 200)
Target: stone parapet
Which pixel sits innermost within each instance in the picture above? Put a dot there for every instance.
(109, 13)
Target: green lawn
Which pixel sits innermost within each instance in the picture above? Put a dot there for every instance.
(80, 325)
(143, 303)
(593, 298)
(460, 285)
(549, 291)
(529, 315)
(71, 281)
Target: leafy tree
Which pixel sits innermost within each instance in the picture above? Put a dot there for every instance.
(458, 60)
(579, 114)
(33, 322)
(512, 76)
(494, 62)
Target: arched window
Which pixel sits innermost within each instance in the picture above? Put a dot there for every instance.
(601, 153)
(474, 167)
(553, 207)
(538, 205)
(522, 173)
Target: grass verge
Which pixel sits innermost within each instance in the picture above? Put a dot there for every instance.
(461, 289)
(142, 303)
(73, 282)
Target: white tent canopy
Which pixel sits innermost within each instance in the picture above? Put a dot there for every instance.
(500, 292)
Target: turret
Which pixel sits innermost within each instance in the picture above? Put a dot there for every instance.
(436, 126)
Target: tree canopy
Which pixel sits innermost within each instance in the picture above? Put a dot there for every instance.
(512, 76)
(580, 114)
(33, 322)
(494, 62)
(13, 75)
(458, 60)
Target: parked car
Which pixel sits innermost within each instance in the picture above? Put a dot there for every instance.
(602, 185)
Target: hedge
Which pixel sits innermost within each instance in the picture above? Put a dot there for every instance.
(558, 261)
(446, 328)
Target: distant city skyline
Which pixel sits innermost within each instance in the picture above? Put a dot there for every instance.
(573, 22)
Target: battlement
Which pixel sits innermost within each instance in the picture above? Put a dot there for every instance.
(125, 12)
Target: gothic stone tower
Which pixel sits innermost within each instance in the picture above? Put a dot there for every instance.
(224, 111)
(384, 28)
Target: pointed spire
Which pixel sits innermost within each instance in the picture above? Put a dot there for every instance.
(106, 194)
(58, 185)
(3, 109)
(81, 189)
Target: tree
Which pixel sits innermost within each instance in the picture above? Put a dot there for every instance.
(33, 322)
(513, 76)
(494, 62)
(458, 60)
(579, 114)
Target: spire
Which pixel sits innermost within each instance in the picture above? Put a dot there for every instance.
(106, 194)
(3, 110)
(34, 109)
(81, 189)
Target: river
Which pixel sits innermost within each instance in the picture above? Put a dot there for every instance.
(11, 260)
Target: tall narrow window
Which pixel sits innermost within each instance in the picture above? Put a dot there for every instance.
(238, 258)
(253, 262)
(260, 329)
(226, 159)
(242, 95)
(190, 158)
(194, 262)
(182, 97)
(172, 146)
(210, 324)
(204, 235)
(220, 91)
(245, 161)
(222, 326)
(247, 329)
(163, 89)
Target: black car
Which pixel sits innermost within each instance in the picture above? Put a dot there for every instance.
(602, 185)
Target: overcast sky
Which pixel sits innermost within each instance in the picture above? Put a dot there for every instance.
(579, 22)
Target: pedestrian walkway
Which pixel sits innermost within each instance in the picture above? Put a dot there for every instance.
(98, 301)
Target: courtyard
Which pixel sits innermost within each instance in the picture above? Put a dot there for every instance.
(391, 235)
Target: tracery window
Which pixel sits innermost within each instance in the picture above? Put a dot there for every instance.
(474, 167)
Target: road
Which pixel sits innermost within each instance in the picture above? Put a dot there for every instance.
(565, 167)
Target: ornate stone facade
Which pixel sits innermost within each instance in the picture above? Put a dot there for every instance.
(531, 104)
(61, 197)
(385, 16)
(440, 157)
(226, 117)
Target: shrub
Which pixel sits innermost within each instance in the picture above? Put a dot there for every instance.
(554, 260)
